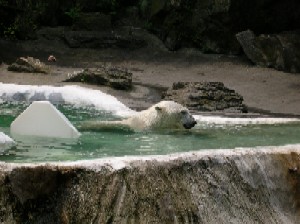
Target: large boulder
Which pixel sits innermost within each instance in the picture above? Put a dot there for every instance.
(206, 97)
(109, 76)
(211, 25)
(28, 64)
(201, 24)
(280, 51)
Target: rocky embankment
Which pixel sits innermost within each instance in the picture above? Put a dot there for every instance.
(279, 51)
(206, 96)
(207, 25)
(240, 186)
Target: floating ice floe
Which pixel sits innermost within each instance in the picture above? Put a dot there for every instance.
(5, 142)
(42, 119)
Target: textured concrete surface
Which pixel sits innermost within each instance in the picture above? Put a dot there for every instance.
(258, 185)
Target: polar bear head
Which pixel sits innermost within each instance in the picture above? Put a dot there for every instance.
(163, 115)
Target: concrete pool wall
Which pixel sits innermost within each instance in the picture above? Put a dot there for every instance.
(246, 185)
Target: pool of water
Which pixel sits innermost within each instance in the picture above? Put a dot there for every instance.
(109, 143)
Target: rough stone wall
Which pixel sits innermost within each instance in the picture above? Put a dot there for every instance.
(235, 187)
(209, 25)
(280, 51)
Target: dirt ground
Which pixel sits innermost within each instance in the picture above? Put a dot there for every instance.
(265, 90)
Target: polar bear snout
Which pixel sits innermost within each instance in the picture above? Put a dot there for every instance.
(189, 125)
(189, 121)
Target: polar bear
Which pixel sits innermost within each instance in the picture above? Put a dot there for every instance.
(163, 115)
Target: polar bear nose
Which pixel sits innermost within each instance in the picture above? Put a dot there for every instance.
(190, 125)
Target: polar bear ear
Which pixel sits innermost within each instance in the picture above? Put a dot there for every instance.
(159, 108)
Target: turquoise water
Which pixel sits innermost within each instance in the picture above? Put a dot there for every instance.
(109, 143)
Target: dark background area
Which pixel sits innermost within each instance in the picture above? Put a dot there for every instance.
(204, 24)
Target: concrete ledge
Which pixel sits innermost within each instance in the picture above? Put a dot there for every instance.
(252, 185)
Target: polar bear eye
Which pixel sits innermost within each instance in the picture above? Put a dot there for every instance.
(183, 112)
(158, 108)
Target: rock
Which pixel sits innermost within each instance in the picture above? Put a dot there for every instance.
(52, 58)
(31, 184)
(92, 21)
(279, 51)
(206, 96)
(130, 16)
(108, 76)
(247, 39)
(28, 64)
(211, 25)
(201, 24)
(103, 39)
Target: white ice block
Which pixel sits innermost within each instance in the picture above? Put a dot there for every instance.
(5, 142)
(41, 118)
